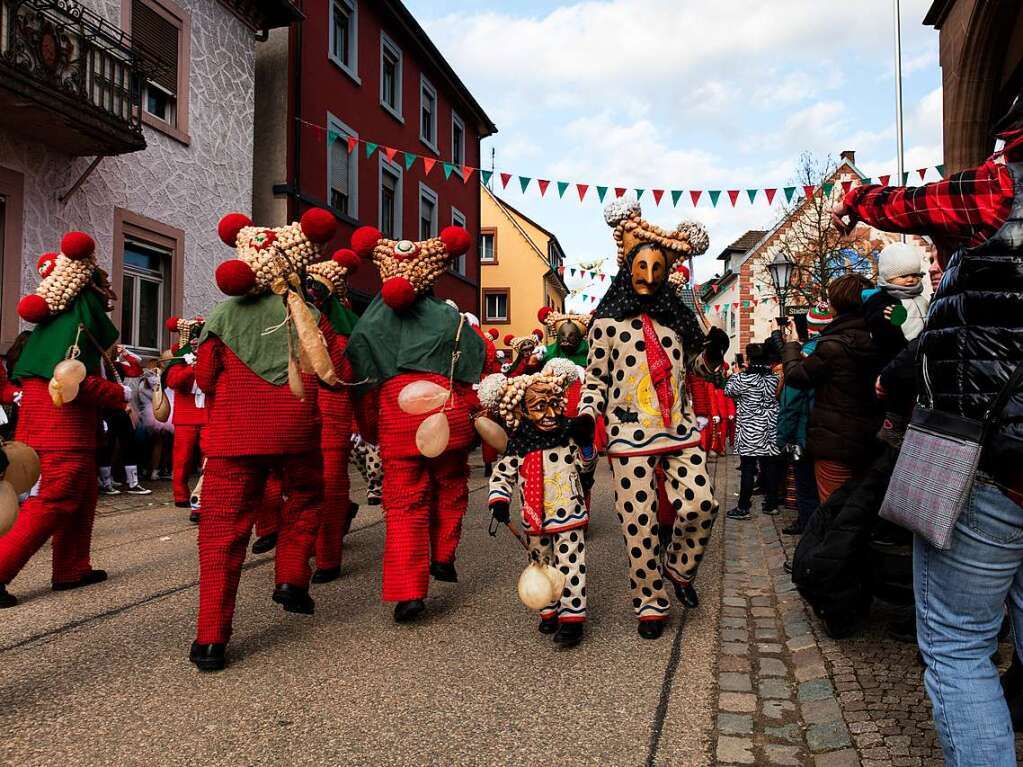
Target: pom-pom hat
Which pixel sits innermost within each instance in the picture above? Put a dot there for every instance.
(625, 216)
(554, 320)
(63, 274)
(188, 330)
(267, 255)
(897, 260)
(818, 318)
(335, 271)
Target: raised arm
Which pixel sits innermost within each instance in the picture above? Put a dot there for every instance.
(208, 363)
(806, 372)
(598, 372)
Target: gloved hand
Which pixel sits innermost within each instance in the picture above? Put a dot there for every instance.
(127, 392)
(17, 397)
(716, 346)
(582, 429)
(500, 511)
(717, 420)
(189, 358)
(701, 422)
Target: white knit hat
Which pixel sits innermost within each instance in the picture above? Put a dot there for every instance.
(897, 260)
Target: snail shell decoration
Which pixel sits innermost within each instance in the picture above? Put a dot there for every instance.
(625, 216)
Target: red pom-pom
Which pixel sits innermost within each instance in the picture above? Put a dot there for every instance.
(398, 293)
(171, 324)
(46, 264)
(538, 333)
(175, 348)
(33, 308)
(684, 271)
(235, 278)
(544, 313)
(347, 258)
(318, 224)
(77, 245)
(365, 239)
(508, 339)
(456, 240)
(229, 227)
(493, 334)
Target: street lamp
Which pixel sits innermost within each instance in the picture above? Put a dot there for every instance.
(781, 275)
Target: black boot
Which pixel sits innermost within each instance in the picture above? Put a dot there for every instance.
(651, 629)
(6, 600)
(409, 610)
(327, 575)
(194, 517)
(569, 634)
(548, 625)
(208, 657)
(91, 577)
(183, 504)
(264, 544)
(353, 509)
(444, 571)
(794, 529)
(687, 595)
(294, 599)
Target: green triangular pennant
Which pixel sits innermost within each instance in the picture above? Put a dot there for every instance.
(866, 181)
(941, 170)
(827, 189)
(676, 195)
(905, 178)
(371, 148)
(789, 191)
(485, 176)
(449, 168)
(714, 195)
(601, 192)
(332, 136)
(524, 182)
(410, 160)
(752, 194)
(639, 194)
(562, 186)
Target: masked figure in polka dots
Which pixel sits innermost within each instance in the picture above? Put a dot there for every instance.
(546, 466)
(643, 341)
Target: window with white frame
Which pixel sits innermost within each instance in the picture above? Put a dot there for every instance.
(143, 295)
(457, 140)
(344, 35)
(458, 264)
(390, 76)
(428, 113)
(390, 199)
(488, 247)
(429, 207)
(495, 305)
(342, 170)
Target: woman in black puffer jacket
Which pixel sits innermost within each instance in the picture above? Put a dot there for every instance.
(846, 416)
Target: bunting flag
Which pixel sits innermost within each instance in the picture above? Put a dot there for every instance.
(486, 177)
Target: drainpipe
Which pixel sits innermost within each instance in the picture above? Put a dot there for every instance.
(296, 157)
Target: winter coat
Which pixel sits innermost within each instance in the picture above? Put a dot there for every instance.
(841, 372)
(755, 395)
(794, 410)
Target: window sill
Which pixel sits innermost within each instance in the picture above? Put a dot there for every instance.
(166, 128)
(488, 321)
(352, 74)
(392, 112)
(488, 263)
(432, 147)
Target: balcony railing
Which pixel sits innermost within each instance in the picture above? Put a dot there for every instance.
(69, 78)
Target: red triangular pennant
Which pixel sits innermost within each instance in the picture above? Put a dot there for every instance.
(466, 173)
(717, 308)
(543, 184)
(352, 143)
(561, 271)
(884, 180)
(582, 189)
(846, 186)
(619, 191)
(390, 153)
(658, 194)
(695, 195)
(733, 195)
(602, 276)
(808, 191)
(770, 195)
(922, 172)
(428, 163)
(505, 178)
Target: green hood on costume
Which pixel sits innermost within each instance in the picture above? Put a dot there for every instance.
(50, 340)
(579, 358)
(340, 317)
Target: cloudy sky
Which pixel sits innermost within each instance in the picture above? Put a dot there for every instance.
(686, 94)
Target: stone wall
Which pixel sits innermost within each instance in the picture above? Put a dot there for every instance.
(187, 187)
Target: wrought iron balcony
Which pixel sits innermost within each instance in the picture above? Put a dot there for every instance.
(70, 79)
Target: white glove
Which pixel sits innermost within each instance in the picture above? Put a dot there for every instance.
(17, 397)
(701, 422)
(127, 392)
(717, 419)
(188, 357)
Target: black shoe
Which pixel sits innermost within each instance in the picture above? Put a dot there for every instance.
(738, 513)
(6, 600)
(327, 575)
(548, 625)
(208, 657)
(183, 504)
(409, 610)
(353, 509)
(651, 629)
(91, 577)
(687, 595)
(294, 599)
(771, 511)
(569, 634)
(264, 544)
(194, 517)
(792, 530)
(444, 571)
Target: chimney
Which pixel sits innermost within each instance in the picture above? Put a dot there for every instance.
(849, 155)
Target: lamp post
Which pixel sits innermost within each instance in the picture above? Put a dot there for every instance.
(781, 269)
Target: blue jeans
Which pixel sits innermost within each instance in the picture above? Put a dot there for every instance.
(960, 596)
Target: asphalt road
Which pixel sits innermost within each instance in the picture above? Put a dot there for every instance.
(100, 676)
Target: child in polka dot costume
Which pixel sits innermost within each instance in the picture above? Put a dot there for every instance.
(643, 342)
(546, 465)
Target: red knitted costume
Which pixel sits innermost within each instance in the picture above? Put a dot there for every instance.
(188, 423)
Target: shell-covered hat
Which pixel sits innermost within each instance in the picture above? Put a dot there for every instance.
(64, 274)
(335, 271)
(625, 216)
(503, 396)
(188, 330)
(518, 343)
(554, 320)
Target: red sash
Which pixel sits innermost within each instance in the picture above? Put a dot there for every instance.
(660, 370)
